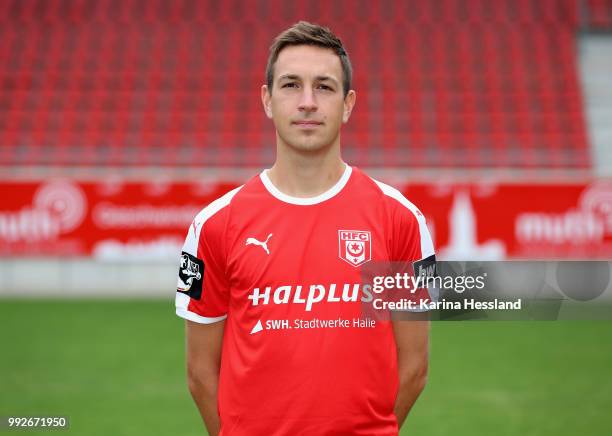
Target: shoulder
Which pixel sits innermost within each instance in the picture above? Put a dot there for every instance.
(405, 220)
(391, 197)
(395, 197)
(221, 207)
(212, 218)
(216, 207)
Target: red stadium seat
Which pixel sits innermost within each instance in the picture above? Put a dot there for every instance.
(598, 14)
(440, 83)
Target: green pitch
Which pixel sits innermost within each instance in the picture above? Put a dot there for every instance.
(117, 368)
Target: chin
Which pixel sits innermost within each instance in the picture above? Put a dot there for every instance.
(308, 146)
(311, 144)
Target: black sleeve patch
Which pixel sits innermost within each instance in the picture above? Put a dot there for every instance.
(191, 276)
(425, 267)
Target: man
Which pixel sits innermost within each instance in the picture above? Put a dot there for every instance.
(270, 273)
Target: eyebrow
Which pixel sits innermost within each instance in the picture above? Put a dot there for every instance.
(317, 78)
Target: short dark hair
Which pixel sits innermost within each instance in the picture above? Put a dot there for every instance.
(305, 33)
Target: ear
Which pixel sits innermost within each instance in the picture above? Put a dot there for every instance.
(349, 103)
(266, 101)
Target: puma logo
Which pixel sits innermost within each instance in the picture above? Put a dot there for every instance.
(264, 245)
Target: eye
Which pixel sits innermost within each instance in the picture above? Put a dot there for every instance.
(289, 85)
(325, 87)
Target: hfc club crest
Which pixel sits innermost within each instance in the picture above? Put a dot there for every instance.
(355, 246)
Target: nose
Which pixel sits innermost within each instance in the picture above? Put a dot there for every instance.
(307, 103)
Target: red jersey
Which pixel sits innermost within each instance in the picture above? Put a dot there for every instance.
(284, 272)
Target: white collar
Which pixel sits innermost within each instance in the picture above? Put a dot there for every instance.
(305, 201)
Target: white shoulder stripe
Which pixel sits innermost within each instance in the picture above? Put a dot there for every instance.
(427, 248)
(191, 243)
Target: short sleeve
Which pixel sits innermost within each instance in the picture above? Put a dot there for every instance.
(410, 238)
(410, 246)
(202, 287)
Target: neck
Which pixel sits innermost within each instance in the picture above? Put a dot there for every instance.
(304, 173)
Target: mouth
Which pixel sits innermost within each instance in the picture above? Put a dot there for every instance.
(307, 123)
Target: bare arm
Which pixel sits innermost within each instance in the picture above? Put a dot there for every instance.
(203, 364)
(412, 341)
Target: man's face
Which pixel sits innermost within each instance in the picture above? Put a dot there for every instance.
(307, 103)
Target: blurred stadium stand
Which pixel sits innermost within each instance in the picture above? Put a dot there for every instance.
(442, 84)
(596, 15)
